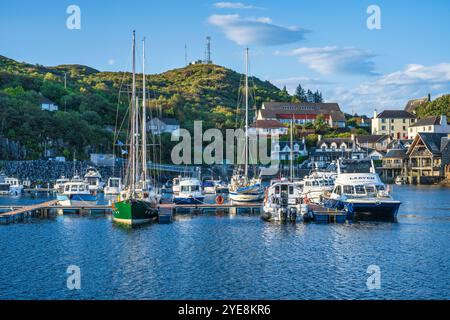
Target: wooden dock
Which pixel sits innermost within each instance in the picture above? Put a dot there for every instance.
(17, 213)
(20, 213)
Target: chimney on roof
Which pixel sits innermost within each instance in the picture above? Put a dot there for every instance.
(429, 97)
(375, 113)
(443, 120)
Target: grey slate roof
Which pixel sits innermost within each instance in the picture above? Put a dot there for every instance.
(429, 121)
(271, 109)
(432, 141)
(372, 138)
(396, 153)
(396, 114)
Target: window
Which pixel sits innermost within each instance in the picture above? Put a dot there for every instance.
(404, 128)
(383, 120)
(404, 120)
(383, 128)
(337, 190)
(430, 128)
(348, 190)
(360, 190)
(291, 189)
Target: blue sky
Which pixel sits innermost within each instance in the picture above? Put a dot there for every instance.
(323, 45)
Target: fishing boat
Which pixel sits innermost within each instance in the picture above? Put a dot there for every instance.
(76, 194)
(364, 195)
(316, 186)
(113, 186)
(59, 184)
(190, 192)
(282, 201)
(134, 206)
(283, 198)
(242, 188)
(94, 180)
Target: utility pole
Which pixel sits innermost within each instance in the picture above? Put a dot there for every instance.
(208, 51)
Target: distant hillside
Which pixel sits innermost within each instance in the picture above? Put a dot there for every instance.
(89, 104)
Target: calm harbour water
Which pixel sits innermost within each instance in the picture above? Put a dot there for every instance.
(232, 257)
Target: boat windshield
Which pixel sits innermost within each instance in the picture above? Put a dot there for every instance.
(360, 190)
(190, 188)
(114, 183)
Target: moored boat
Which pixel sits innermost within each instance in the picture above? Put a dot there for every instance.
(365, 196)
(113, 186)
(76, 194)
(190, 192)
(134, 206)
(282, 201)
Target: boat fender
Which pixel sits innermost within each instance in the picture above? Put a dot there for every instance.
(219, 200)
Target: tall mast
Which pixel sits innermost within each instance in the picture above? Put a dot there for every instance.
(133, 122)
(291, 167)
(246, 113)
(144, 118)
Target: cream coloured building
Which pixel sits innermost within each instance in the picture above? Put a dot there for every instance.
(394, 123)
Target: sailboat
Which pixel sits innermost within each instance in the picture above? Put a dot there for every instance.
(135, 204)
(242, 188)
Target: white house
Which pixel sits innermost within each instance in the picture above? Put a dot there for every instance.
(163, 125)
(47, 104)
(282, 150)
(430, 125)
(268, 127)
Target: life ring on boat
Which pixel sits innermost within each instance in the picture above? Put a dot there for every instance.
(219, 200)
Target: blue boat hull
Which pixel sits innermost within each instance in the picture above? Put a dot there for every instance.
(192, 200)
(373, 211)
(385, 211)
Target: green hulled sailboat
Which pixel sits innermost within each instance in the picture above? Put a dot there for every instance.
(137, 203)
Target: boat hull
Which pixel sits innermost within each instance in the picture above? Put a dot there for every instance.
(189, 200)
(374, 211)
(76, 200)
(134, 212)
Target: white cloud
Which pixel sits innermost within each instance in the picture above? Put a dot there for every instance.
(234, 5)
(393, 90)
(332, 60)
(111, 62)
(259, 31)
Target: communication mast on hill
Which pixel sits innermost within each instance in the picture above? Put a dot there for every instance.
(208, 51)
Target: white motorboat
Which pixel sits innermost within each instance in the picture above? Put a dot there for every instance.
(76, 194)
(316, 186)
(364, 196)
(282, 201)
(113, 186)
(59, 184)
(4, 187)
(15, 188)
(94, 180)
(209, 185)
(190, 192)
(401, 180)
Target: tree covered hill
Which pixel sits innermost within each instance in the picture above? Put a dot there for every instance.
(93, 101)
(437, 107)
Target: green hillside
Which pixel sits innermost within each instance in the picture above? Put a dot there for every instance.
(93, 100)
(436, 107)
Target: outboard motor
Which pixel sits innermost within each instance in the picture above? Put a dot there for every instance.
(283, 206)
(293, 214)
